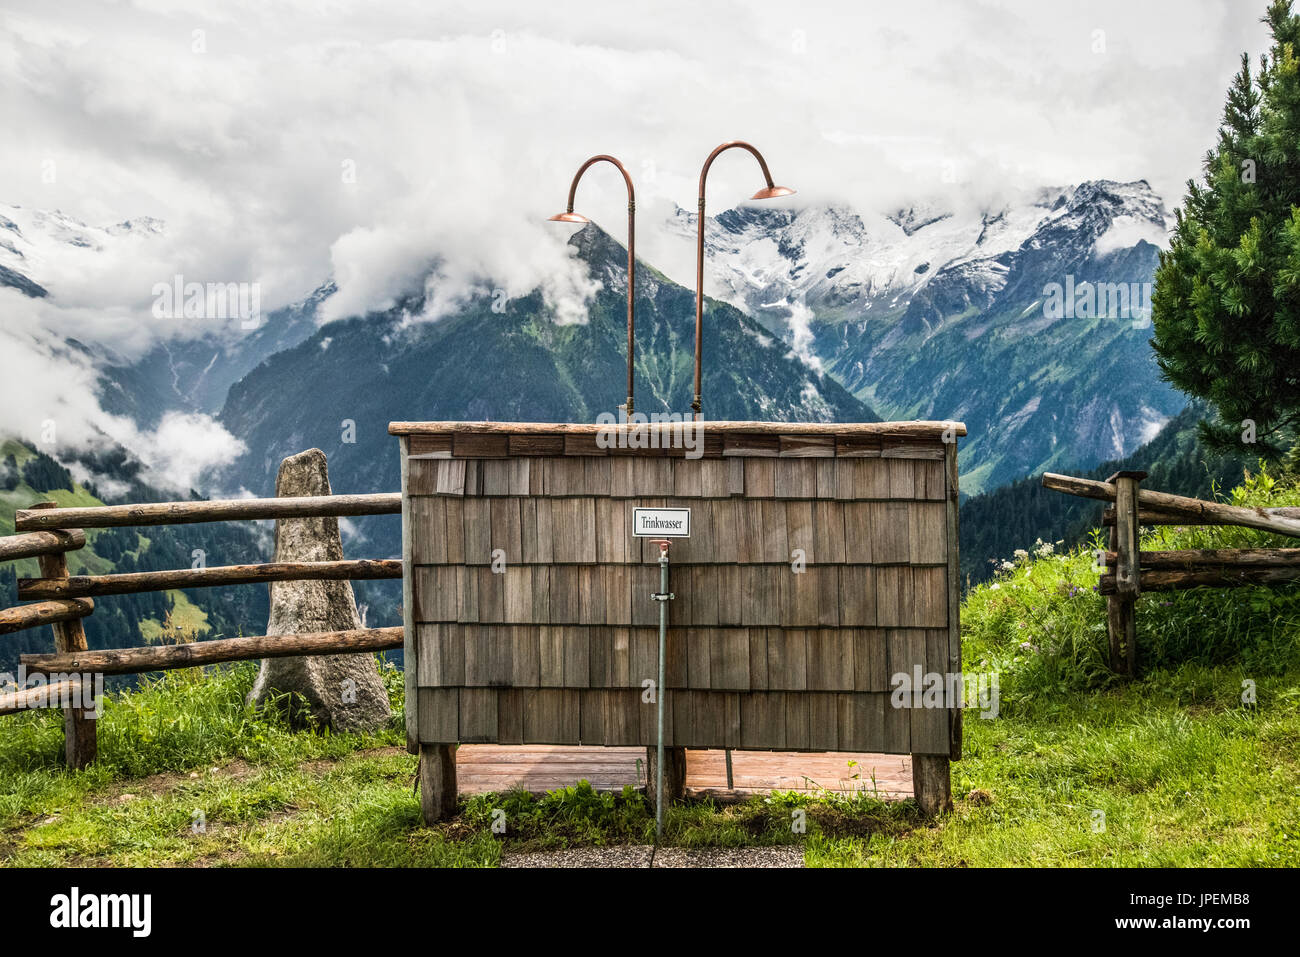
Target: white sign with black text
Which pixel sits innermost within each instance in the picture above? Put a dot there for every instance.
(661, 522)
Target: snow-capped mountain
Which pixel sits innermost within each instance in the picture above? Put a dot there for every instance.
(844, 265)
(923, 312)
(940, 313)
(37, 244)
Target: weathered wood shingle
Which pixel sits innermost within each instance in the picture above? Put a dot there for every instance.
(821, 565)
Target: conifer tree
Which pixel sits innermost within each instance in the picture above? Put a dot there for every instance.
(1226, 306)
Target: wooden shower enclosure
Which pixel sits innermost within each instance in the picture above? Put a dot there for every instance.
(822, 563)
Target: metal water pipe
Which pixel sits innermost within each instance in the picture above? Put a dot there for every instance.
(770, 191)
(569, 216)
(663, 596)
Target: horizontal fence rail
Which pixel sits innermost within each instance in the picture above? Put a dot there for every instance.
(218, 510)
(43, 696)
(43, 613)
(1193, 511)
(35, 544)
(1194, 557)
(1148, 516)
(1221, 577)
(164, 657)
(133, 582)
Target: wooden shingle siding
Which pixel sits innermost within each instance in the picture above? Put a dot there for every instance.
(439, 714)
(849, 596)
(734, 659)
(821, 563)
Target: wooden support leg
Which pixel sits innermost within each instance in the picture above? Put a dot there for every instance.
(931, 783)
(437, 781)
(674, 773)
(79, 730)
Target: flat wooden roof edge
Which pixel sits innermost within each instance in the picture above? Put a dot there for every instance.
(919, 428)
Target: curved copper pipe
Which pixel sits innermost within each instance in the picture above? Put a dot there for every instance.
(768, 192)
(569, 216)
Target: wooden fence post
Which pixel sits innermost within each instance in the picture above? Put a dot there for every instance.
(1121, 607)
(1114, 619)
(80, 741)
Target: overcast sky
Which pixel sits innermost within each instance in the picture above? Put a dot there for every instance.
(284, 143)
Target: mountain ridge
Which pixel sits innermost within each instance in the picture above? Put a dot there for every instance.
(927, 313)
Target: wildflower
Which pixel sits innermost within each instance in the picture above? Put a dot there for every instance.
(1021, 553)
(994, 587)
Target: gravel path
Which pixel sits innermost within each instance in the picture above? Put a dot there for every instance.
(639, 856)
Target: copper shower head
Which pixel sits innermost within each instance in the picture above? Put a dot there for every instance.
(569, 217)
(772, 192)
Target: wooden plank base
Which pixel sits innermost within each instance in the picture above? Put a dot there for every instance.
(542, 767)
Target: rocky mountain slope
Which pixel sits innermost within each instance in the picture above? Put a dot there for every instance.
(339, 389)
(1009, 319)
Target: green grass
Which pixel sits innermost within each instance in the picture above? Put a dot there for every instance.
(1184, 773)
(1181, 767)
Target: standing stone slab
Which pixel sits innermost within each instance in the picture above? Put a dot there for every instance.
(343, 692)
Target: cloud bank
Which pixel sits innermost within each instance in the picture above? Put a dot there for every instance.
(377, 142)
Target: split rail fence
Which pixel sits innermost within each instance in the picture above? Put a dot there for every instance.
(1129, 571)
(48, 533)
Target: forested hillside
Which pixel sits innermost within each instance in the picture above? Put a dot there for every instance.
(1015, 516)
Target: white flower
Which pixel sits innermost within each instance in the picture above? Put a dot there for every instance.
(994, 587)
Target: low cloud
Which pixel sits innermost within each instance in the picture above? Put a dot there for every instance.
(48, 398)
(1127, 231)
